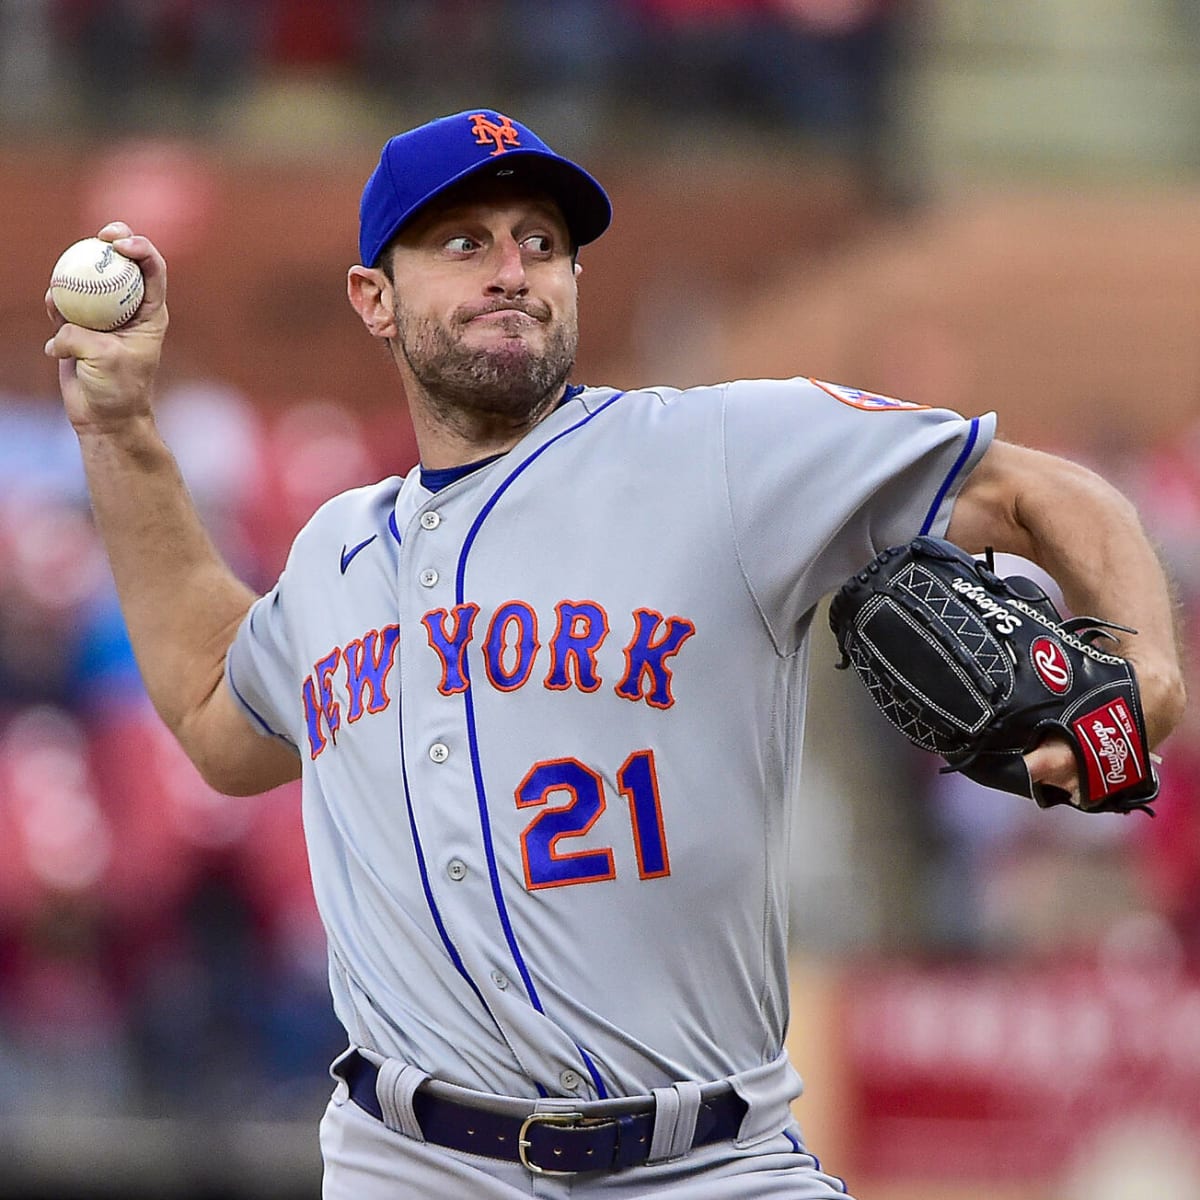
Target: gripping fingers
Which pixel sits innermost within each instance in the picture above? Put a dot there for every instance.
(143, 251)
(114, 230)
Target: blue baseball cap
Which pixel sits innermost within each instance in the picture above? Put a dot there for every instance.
(420, 165)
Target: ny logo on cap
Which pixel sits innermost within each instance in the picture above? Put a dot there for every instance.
(486, 131)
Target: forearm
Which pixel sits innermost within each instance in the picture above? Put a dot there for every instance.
(1107, 567)
(1089, 538)
(182, 604)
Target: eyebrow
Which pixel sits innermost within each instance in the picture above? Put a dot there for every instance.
(471, 213)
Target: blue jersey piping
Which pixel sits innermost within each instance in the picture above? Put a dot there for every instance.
(233, 687)
(473, 737)
(948, 482)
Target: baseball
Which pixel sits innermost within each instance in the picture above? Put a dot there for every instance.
(95, 286)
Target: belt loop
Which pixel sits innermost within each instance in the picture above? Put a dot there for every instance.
(675, 1112)
(395, 1087)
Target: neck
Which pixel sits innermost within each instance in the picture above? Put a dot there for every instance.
(450, 436)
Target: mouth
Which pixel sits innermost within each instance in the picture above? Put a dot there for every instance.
(506, 326)
(513, 316)
(504, 316)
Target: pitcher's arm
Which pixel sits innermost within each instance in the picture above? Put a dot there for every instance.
(182, 604)
(1088, 536)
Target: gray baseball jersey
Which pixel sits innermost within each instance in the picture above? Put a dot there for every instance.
(550, 717)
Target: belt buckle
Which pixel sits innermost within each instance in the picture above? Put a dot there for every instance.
(565, 1119)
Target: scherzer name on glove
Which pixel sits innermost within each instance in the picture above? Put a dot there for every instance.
(981, 669)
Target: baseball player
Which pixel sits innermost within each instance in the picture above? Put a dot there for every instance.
(546, 692)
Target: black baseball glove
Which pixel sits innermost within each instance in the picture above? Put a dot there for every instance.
(980, 669)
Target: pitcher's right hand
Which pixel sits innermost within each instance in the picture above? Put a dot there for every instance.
(107, 378)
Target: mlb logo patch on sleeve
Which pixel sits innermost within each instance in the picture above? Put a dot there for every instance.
(869, 401)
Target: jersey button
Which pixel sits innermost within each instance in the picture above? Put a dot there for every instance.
(439, 752)
(570, 1080)
(500, 979)
(430, 520)
(429, 577)
(456, 869)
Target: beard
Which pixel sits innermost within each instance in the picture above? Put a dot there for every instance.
(507, 385)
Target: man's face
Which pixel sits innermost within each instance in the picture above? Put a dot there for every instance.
(485, 302)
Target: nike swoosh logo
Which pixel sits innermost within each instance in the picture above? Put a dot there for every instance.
(348, 555)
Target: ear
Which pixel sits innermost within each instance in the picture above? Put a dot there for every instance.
(370, 293)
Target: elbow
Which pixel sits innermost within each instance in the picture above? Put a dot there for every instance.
(232, 756)
(270, 766)
(228, 783)
(235, 760)
(216, 771)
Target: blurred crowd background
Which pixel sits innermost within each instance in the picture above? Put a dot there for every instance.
(978, 205)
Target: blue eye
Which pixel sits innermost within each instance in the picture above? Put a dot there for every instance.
(460, 244)
(539, 243)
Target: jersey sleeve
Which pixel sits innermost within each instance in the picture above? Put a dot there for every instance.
(822, 477)
(258, 671)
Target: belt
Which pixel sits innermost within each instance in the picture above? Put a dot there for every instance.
(547, 1143)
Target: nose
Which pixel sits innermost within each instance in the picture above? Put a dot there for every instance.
(508, 275)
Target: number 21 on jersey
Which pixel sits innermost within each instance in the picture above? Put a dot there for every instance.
(547, 864)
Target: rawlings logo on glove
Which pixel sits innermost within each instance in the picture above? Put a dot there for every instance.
(980, 669)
